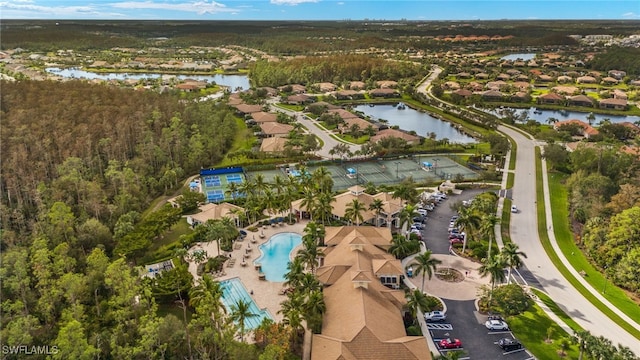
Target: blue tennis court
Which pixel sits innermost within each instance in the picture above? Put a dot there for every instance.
(212, 181)
(215, 195)
(234, 178)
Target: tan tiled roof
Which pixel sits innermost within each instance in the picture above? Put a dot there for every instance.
(275, 128)
(344, 114)
(273, 144)
(248, 109)
(262, 117)
(363, 320)
(213, 211)
(393, 133)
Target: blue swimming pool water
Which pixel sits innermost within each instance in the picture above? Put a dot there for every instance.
(275, 255)
(232, 291)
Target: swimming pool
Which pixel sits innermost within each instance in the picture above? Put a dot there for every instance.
(275, 255)
(232, 291)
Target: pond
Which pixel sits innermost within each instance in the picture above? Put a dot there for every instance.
(409, 119)
(522, 56)
(543, 115)
(231, 81)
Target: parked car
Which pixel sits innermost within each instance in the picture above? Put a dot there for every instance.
(514, 209)
(496, 325)
(508, 344)
(419, 219)
(434, 316)
(456, 241)
(418, 226)
(422, 212)
(450, 343)
(459, 236)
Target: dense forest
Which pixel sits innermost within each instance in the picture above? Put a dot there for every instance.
(294, 37)
(336, 69)
(101, 150)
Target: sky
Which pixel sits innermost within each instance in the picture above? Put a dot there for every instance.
(320, 9)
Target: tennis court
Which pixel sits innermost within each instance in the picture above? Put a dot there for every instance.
(212, 181)
(215, 195)
(234, 178)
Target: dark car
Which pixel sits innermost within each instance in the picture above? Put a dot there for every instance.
(418, 219)
(508, 344)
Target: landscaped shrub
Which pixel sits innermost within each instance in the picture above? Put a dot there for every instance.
(414, 330)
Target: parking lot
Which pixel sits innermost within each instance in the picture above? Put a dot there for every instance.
(463, 322)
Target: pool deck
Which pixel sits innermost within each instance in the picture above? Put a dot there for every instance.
(266, 294)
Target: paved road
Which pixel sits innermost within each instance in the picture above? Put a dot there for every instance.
(524, 232)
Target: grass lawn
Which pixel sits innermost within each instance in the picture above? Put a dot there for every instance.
(159, 248)
(531, 328)
(512, 158)
(166, 309)
(291, 107)
(244, 140)
(361, 140)
(506, 221)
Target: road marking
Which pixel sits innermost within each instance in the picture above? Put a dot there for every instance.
(432, 326)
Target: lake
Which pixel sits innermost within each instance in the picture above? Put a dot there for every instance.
(523, 56)
(410, 119)
(544, 115)
(231, 81)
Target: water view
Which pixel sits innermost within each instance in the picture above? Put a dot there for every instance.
(420, 122)
(543, 116)
(524, 56)
(232, 81)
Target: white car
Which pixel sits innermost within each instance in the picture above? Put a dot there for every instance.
(514, 209)
(435, 316)
(496, 325)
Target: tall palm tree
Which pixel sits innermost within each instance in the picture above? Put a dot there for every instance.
(241, 312)
(467, 221)
(402, 247)
(309, 256)
(512, 257)
(487, 228)
(582, 339)
(322, 178)
(353, 211)
(424, 264)
(493, 267)
(295, 271)
(233, 190)
(259, 184)
(291, 309)
(417, 300)
(377, 206)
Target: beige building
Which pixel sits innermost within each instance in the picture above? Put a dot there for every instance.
(213, 211)
(391, 206)
(364, 318)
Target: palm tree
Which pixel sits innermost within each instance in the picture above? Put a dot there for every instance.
(314, 233)
(511, 256)
(309, 202)
(424, 264)
(233, 190)
(314, 308)
(582, 339)
(259, 184)
(377, 206)
(402, 247)
(322, 178)
(354, 210)
(291, 309)
(487, 227)
(493, 267)
(324, 209)
(295, 272)
(241, 312)
(309, 256)
(417, 300)
(406, 215)
(406, 191)
(207, 292)
(467, 221)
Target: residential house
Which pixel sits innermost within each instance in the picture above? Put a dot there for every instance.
(299, 99)
(619, 94)
(566, 90)
(263, 117)
(348, 95)
(246, 109)
(550, 98)
(463, 93)
(362, 124)
(521, 96)
(492, 95)
(609, 80)
(586, 80)
(587, 130)
(496, 85)
(564, 79)
(275, 129)
(364, 317)
(386, 92)
(387, 84)
(544, 78)
(612, 103)
(580, 100)
(357, 85)
(522, 85)
(325, 87)
(383, 134)
(617, 74)
(273, 144)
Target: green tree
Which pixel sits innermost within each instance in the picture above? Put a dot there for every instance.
(417, 301)
(190, 200)
(494, 268)
(353, 211)
(377, 206)
(72, 343)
